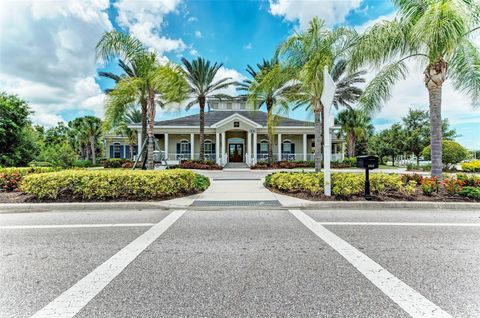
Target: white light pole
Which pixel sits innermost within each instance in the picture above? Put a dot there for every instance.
(328, 94)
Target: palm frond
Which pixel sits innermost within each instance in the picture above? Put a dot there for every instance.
(118, 44)
(464, 70)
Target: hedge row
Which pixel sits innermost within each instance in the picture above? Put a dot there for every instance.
(343, 184)
(98, 185)
(10, 178)
(352, 184)
(472, 166)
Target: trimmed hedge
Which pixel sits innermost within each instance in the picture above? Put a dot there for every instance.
(100, 185)
(10, 178)
(117, 163)
(343, 184)
(472, 166)
(283, 165)
(198, 164)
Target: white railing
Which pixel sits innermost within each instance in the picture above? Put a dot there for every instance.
(224, 160)
(296, 157)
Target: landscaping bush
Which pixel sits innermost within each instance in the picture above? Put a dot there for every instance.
(283, 165)
(117, 163)
(452, 153)
(472, 166)
(97, 185)
(198, 164)
(452, 185)
(469, 180)
(351, 161)
(343, 184)
(470, 192)
(82, 163)
(430, 185)
(10, 178)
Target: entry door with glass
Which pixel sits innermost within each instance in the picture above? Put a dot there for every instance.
(235, 152)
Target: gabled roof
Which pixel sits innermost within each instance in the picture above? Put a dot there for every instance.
(213, 117)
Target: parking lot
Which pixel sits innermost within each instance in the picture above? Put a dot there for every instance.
(246, 262)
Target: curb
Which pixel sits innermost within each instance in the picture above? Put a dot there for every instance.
(385, 205)
(330, 205)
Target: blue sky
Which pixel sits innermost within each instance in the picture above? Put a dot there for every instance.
(57, 69)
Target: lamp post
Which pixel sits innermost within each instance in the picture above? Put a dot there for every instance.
(328, 94)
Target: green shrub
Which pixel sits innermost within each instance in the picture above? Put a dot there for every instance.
(343, 184)
(351, 161)
(82, 163)
(430, 185)
(472, 166)
(117, 163)
(452, 153)
(469, 180)
(10, 178)
(112, 184)
(452, 185)
(470, 192)
(198, 164)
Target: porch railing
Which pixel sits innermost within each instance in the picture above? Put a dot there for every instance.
(296, 157)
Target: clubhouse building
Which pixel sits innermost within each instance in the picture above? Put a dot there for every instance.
(233, 134)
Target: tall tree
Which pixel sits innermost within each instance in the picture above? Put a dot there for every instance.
(309, 52)
(91, 131)
(152, 79)
(355, 125)
(268, 86)
(435, 33)
(200, 75)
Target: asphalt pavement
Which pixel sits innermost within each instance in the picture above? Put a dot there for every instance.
(238, 263)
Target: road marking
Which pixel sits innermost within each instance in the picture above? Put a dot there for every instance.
(403, 295)
(70, 302)
(401, 224)
(59, 226)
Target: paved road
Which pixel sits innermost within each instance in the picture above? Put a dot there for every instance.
(240, 263)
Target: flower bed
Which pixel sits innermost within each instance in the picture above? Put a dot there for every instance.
(104, 185)
(350, 186)
(198, 164)
(10, 178)
(472, 166)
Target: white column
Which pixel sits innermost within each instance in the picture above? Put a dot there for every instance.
(305, 147)
(217, 148)
(166, 146)
(249, 143)
(139, 141)
(343, 152)
(192, 146)
(255, 147)
(223, 145)
(279, 147)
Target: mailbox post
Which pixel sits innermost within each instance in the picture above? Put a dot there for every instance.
(368, 163)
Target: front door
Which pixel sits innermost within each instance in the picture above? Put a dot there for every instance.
(235, 152)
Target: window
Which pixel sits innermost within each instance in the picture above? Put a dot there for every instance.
(229, 105)
(236, 124)
(208, 146)
(117, 150)
(287, 146)
(184, 146)
(263, 146)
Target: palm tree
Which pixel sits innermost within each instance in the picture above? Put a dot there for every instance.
(133, 116)
(152, 79)
(200, 75)
(91, 130)
(269, 87)
(435, 33)
(355, 125)
(130, 71)
(308, 52)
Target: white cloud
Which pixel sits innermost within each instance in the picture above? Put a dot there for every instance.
(248, 46)
(192, 19)
(193, 52)
(303, 11)
(198, 34)
(48, 55)
(234, 76)
(145, 20)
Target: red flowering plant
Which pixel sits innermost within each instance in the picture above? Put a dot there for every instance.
(452, 185)
(10, 181)
(430, 185)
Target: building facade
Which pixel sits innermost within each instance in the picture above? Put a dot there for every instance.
(233, 133)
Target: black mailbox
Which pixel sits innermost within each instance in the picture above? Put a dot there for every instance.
(367, 162)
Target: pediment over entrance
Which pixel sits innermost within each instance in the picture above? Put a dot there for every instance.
(236, 122)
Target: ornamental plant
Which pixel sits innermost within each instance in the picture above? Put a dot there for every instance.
(472, 166)
(452, 185)
(430, 185)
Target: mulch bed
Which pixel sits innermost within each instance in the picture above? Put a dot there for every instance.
(15, 197)
(390, 197)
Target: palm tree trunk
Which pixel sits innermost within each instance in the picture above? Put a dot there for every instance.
(92, 145)
(270, 132)
(351, 144)
(144, 110)
(435, 75)
(150, 127)
(201, 102)
(318, 138)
